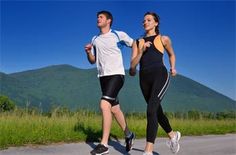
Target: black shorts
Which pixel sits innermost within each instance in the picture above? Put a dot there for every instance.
(111, 86)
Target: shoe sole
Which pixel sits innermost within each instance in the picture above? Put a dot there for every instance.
(177, 149)
(107, 152)
(178, 138)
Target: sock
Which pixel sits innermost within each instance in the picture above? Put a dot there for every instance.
(104, 145)
(127, 132)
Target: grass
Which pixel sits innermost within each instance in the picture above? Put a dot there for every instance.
(17, 129)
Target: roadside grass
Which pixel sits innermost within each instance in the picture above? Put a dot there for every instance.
(22, 128)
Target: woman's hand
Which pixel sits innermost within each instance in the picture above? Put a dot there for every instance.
(143, 46)
(132, 71)
(173, 72)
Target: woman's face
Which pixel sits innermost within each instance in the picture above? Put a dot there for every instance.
(149, 23)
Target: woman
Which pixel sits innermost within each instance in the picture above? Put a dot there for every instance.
(154, 79)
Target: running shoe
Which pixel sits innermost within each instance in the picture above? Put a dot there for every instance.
(173, 143)
(129, 142)
(147, 153)
(100, 150)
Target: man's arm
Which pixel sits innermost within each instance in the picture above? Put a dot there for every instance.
(90, 56)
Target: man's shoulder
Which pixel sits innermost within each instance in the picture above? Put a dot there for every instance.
(121, 34)
(95, 36)
(118, 31)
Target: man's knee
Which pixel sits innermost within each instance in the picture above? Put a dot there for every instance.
(105, 105)
(113, 102)
(116, 109)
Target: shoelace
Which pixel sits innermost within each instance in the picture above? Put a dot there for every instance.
(170, 143)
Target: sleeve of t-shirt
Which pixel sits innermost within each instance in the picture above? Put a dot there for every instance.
(126, 38)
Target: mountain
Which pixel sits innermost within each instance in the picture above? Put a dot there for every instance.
(75, 88)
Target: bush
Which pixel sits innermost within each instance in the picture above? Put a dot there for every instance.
(6, 104)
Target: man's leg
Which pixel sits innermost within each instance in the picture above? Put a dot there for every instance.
(105, 107)
(119, 116)
(102, 148)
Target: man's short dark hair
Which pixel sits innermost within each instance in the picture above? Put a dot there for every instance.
(107, 14)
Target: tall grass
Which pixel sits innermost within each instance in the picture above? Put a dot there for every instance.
(22, 128)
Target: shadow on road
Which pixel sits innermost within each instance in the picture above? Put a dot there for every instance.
(141, 150)
(94, 137)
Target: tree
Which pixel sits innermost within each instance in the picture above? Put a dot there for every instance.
(6, 104)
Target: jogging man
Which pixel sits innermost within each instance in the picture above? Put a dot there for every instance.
(105, 51)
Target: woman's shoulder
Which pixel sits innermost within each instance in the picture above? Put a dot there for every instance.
(140, 39)
(165, 39)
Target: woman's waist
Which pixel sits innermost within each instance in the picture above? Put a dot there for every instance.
(152, 65)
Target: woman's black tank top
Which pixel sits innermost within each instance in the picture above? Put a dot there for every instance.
(152, 57)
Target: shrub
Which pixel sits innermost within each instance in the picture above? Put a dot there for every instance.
(6, 104)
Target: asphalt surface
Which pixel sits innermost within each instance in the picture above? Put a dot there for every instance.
(190, 145)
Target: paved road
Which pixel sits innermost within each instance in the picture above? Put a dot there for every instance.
(190, 145)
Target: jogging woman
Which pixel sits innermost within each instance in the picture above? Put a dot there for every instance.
(154, 79)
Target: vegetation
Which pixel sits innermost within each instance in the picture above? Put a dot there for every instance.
(49, 95)
(6, 104)
(65, 85)
(31, 126)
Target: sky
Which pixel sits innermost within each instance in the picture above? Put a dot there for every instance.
(36, 34)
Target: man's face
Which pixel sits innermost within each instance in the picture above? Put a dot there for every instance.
(102, 21)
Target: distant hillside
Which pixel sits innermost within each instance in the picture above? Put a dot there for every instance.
(79, 88)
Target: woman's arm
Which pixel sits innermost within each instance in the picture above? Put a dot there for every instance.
(169, 49)
(137, 53)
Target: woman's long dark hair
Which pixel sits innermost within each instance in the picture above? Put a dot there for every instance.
(156, 18)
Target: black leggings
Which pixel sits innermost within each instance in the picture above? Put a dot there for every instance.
(154, 83)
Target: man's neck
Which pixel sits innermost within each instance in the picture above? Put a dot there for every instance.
(104, 30)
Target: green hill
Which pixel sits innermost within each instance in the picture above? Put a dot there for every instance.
(79, 88)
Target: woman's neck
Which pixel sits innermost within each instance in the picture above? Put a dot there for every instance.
(150, 33)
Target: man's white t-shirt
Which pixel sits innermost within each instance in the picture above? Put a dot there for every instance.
(108, 55)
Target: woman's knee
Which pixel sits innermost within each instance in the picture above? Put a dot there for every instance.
(151, 112)
(152, 109)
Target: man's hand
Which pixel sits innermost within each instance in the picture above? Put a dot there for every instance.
(88, 48)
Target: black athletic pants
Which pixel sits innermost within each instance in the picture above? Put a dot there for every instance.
(154, 83)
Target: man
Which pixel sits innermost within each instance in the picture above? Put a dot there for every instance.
(105, 51)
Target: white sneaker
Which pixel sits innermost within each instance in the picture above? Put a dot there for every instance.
(147, 153)
(173, 144)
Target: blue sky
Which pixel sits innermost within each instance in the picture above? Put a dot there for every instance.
(36, 34)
